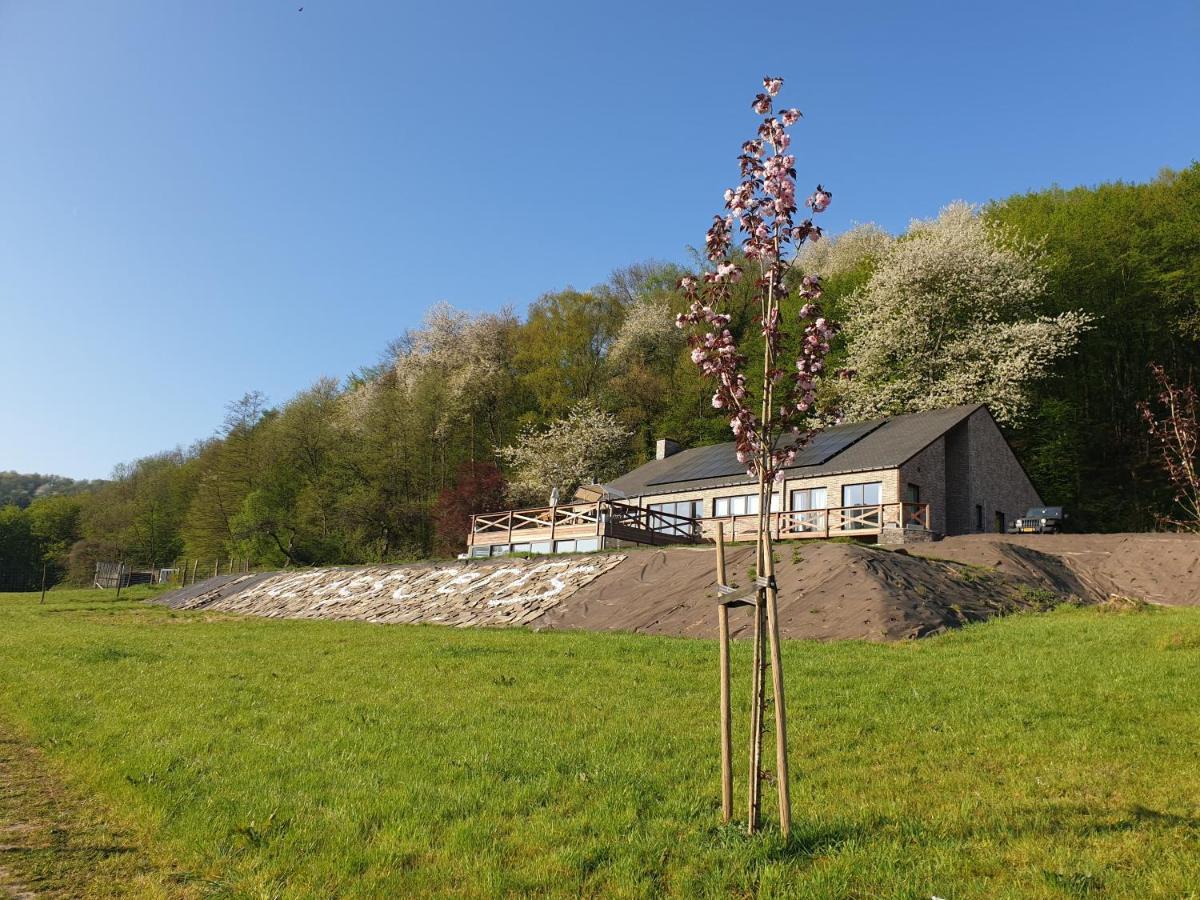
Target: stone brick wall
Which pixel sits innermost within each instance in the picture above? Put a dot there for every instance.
(997, 482)
(927, 470)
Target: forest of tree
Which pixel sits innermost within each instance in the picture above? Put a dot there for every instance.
(1050, 306)
(18, 489)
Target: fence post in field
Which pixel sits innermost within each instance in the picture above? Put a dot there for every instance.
(726, 722)
(216, 566)
(120, 570)
(43, 600)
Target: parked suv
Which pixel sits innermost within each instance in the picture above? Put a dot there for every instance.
(1039, 520)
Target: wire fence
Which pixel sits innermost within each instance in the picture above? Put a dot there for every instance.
(25, 577)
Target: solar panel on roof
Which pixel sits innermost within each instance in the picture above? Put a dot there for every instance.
(720, 460)
(829, 443)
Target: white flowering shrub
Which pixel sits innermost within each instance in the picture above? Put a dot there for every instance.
(846, 252)
(947, 318)
(589, 445)
(647, 333)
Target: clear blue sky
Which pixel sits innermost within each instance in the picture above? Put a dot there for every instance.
(202, 198)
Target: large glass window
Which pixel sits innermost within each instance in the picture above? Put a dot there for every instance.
(744, 505)
(667, 524)
(808, 509)
(810, 498)
(861, 502)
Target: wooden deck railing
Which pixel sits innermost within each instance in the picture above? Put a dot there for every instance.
(638, 523)
(848, 521)
(575, 520)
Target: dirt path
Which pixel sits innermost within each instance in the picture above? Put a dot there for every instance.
(54, 843)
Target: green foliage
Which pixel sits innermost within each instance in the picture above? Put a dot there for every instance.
(1033, 755)
(351, 473)
(1129, 255)
(20, 489)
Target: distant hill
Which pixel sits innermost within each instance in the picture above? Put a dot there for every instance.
(21, 489)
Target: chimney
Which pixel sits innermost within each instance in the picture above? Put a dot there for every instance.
(665, 447)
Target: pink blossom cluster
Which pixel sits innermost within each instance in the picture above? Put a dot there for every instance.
(762, 207)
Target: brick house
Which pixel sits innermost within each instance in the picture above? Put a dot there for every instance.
(904, 478)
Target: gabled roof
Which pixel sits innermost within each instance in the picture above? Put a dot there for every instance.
(858, 447)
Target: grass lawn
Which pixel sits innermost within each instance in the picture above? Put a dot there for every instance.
(1040, 755)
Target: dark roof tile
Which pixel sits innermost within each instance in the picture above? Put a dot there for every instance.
(856, 447)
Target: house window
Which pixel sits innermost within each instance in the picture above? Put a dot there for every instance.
(861, 502)
(810, 498)
(744, 505)
(978, 517)
(807, 510)
(666, 524)
(912, 493)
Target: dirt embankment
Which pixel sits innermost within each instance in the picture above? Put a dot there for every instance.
(827, 590)
(1160, 568)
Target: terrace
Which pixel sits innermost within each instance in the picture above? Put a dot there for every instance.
(584, 527)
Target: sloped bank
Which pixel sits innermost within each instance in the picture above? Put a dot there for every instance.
(827, 591)
(512, 592)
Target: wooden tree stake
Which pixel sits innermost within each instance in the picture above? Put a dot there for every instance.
(726, 714)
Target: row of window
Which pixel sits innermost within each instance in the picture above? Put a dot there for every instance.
(582, 545)
(853, 495)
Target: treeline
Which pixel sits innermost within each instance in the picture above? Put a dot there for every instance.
(387, 464)
(18, 489)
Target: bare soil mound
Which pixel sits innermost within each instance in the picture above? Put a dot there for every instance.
(1159, 568)
(826, 591)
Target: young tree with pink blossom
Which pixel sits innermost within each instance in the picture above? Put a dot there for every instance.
(1175, 428)
(773, 420)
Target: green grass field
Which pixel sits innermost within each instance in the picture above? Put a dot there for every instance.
(1042, 755)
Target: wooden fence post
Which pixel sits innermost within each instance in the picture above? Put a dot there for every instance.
(771, 595)
(726, 715)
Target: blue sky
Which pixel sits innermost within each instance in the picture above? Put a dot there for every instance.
(199, 199)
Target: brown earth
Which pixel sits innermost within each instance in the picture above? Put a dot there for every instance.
(57, 842)
(828, 590)
(1160, 568)
(834, 590)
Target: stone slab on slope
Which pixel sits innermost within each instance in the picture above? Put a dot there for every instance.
(509, 592)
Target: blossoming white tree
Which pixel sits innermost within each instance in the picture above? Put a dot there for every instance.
(946, 318)
(647, 332)
(772, 420)
(846, 252)
(587, 445)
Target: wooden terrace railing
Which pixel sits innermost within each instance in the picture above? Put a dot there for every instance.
(575, 520)
(841, 521)
(612, 518)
